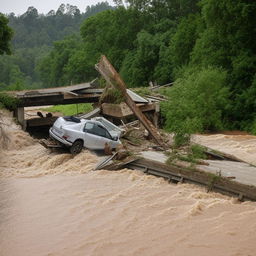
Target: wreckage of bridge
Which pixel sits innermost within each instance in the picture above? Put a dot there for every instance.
(81, 93)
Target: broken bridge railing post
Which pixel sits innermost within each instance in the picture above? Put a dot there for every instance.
(105, 68)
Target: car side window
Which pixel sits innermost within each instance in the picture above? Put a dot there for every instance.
(89, 128)
(100, 131)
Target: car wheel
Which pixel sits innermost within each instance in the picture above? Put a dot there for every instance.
(76, 147)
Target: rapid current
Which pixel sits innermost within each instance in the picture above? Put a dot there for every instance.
(55, 204)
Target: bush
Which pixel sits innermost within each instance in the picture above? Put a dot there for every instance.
(112, 95)
(192, 154)
(143, 91)
(196, 103)
(181, 138)
(8, 101)
(197, 151)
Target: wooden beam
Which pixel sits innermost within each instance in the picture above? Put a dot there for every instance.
(45, 100)
(122, 109)
(112, 77)
(41, 121)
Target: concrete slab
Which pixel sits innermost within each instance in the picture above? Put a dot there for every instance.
(154, 155)
(136, 97)
(243, 172)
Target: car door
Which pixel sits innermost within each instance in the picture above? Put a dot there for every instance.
(104, 136)
(91, 139)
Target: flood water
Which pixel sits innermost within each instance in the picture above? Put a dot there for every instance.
(243, 146)
(55, 204)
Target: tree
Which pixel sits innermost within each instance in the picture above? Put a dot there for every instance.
(197, 101)
(6, 34)
(52, 67)
(138, 69)
(172, 9)
(183, 41)
(33, 40)
(228, 41)
(112, 33)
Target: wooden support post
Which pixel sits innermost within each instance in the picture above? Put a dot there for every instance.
(113, 78)
(156, 114)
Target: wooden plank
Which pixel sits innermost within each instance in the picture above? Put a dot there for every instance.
(41, 121)
(92, 90)
(160, 86)
(91, 114)
(44, 100)
(117, 165)
(122, 109)
(112, 77)
(53, 90)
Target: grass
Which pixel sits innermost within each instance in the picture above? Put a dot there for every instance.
(142, 91)
(192, 154)
(70, 109)
(213, 178)
(197, 151)
(112, 95)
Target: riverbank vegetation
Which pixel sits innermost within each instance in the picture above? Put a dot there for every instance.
(206, 47)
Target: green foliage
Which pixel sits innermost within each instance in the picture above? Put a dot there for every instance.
(252, 127)
(229, 43)
(183, 41)
(143, 62)
(192, 153)
(52, 68)
(181, 138)
(112, 95)
(143, 91)
(196, 103)
(213, 178)
(174, 9)
(34, 30)
(149, 61)
(112, 33)
(5, 35)
(70, 109)
(148, 41)
(33, 38)
(8, 101)
(197, 151)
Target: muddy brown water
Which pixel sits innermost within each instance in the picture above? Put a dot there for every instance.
(243, 146)
(55, 204)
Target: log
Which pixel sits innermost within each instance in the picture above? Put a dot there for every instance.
(113, 78)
